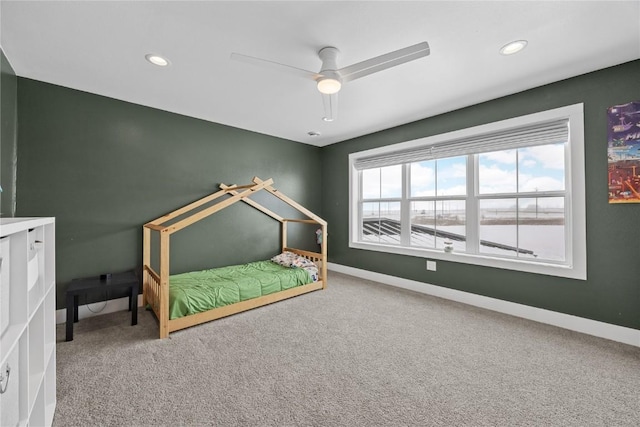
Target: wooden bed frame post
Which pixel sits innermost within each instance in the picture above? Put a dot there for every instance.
(323, 250)
(284, 234)
(146, 261)
(164, 284)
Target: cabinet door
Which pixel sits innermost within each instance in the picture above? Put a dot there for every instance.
(10, 399)
(5, 289)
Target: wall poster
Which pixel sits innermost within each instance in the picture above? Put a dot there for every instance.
(624, 152)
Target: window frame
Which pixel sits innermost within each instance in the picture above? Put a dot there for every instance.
(575, 265)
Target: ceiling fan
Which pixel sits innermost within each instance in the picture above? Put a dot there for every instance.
(330, 78)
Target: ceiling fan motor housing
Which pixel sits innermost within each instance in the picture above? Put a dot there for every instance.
(329, 81)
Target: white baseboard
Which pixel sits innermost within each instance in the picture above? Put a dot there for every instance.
(579, 324)
(118, 304)
(574, 323)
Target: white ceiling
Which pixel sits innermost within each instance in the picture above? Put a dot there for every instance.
(99, 47)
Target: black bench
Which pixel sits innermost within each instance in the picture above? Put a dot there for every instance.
(127, 280)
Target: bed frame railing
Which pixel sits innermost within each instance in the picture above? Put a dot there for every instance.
(314, 257)
(156, 283)
(151, 289)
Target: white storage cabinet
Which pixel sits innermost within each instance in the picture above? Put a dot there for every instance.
(27, 321)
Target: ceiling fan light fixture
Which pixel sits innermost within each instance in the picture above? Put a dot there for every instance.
(513, 47)
(157, 60)
(329, 86)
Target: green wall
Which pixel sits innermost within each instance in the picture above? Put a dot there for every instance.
(612, 291)
(104, 167)
(8, 135)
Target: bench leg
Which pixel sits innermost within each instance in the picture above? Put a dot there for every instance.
(71, 316)
(75, 308)
(133, 304)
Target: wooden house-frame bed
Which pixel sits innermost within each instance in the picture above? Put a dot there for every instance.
(156, 282)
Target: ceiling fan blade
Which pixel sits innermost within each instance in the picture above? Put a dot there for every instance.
(383, 62)
(275, 65)
(330, 107)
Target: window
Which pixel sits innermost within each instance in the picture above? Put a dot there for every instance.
(508, 195)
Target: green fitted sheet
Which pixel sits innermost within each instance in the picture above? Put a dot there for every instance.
(198, 291)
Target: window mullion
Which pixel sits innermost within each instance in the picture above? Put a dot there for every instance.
(568, 202)
(360, 204)
(405, 207)
(471, 224)
(518, 202)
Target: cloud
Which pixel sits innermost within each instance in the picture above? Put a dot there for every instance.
(422, 179)
(505, 157)
(549, 156)
(391, 181)
(494, 180)
(371, 183)
(382, 182)
(451, 178)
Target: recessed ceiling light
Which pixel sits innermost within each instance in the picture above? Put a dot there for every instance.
(513, 47)
(157, 60)
(313, 133)
(327, 119)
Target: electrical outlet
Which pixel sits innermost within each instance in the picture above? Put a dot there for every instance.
(431, 265)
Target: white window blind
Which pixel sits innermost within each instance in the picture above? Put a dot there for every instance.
(550, 132)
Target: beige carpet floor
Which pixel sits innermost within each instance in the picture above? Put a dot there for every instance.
(356, 354)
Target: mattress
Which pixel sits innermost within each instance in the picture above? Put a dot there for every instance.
(199, 291)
